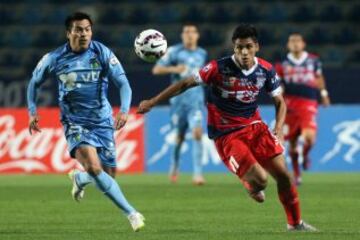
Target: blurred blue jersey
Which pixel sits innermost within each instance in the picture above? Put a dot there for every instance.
(194, 60)
(83, 80)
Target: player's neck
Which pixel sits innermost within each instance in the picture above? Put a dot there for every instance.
(298, 55)
(245, 66)
(190, 46)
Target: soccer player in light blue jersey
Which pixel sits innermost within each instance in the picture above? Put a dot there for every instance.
(187, 109)
(83, 67)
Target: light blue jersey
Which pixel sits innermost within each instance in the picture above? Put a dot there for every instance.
(194, 60)
(83, 80)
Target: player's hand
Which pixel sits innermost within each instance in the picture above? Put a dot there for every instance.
(145, 106)
(325, 101)
(120, 120)
(34, 124)
(179, 69)
(279, 134)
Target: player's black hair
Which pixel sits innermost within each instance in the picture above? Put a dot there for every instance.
(76, 16)
(298, 34)
(245, 30)
(187, 24)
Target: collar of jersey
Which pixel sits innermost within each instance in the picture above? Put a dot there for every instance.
(246, 72)
(298, 61)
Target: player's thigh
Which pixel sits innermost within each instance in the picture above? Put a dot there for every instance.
(235, 154)
(309, 134)
(88, 157)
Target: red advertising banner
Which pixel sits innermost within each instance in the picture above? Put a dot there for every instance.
(46, 152)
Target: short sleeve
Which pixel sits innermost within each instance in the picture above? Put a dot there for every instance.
(272, 84)
(207, 74)
(114, 67)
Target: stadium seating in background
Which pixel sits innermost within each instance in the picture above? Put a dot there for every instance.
(31, 28)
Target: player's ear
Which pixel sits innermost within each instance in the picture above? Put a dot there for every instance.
(257, 46)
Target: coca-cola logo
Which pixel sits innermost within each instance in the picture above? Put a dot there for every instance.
(47, 151)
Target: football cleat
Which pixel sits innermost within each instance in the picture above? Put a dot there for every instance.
(198, 180)
(137, 221)
(258, 196)
(303, 227)
(77, 193)
(298, 181)
(173, 174)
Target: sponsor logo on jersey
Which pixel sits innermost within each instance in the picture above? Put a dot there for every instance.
(114, 60)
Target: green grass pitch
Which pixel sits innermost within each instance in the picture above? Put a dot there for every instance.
(40, 207)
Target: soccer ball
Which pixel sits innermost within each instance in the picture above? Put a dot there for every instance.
(150, 45)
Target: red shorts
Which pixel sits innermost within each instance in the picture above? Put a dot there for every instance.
(243, 148)
(301, 114)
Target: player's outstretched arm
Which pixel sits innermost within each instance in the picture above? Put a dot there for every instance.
(280, 108)
(161, 70)
(169, 92)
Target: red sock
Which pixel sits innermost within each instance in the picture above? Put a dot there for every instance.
(290, 201)
(295, 163)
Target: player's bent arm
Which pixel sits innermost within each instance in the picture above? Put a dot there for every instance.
(122, 83)
(35, 82)
(161, 70)
(325, 99)
(125, 92)
(169, 92)
(280, 111)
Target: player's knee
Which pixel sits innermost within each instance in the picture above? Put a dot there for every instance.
(180, 139)
(197, 134)
(93, 169)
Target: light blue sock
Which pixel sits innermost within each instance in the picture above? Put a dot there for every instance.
(112, 190)
(175, 159)
(197, 155)
(82, 179)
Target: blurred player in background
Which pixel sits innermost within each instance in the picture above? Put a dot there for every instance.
(181, 61)
(302, 79)
(83, 67)
(245, 144)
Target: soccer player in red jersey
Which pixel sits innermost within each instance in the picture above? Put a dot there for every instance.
(303, 80)
(246, 145)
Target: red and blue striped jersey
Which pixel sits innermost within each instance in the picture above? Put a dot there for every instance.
(232, 93)
(299, 76)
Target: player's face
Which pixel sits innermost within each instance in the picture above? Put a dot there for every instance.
(245, 50)
(190, 36)
(296, 43)
(80, 35)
